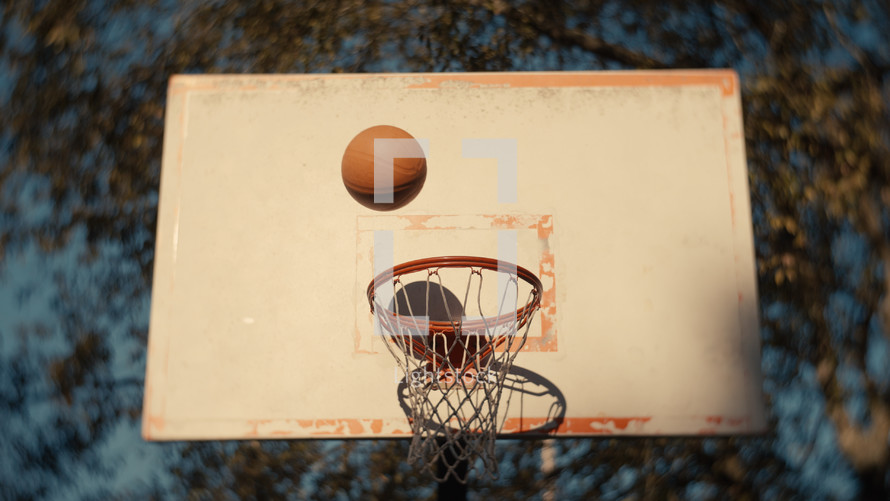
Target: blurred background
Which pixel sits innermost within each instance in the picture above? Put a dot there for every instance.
(82, 97)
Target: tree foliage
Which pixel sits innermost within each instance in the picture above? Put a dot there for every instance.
(82, 89)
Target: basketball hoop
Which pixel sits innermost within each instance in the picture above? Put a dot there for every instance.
(455, 353)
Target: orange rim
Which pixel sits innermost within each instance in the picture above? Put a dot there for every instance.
(472, 326)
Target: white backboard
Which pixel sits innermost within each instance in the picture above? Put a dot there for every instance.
(630, 202)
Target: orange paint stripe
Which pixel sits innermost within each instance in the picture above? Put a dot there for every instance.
(579, 426)
(374, 427)
(726, 80)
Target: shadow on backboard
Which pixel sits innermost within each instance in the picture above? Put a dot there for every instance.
(530, 404)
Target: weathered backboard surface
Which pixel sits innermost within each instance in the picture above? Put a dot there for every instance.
(627, 196)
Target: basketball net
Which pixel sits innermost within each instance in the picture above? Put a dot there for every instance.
(454, 365)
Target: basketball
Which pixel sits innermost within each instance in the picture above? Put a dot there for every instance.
(408, 167)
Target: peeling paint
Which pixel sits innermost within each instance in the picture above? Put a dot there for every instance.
(417, 222)
(725, 80)
(577, 426)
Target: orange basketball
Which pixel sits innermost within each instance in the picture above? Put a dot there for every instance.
(409, 167)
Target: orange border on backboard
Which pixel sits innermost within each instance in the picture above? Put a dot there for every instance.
(724, 79)
(530, 427)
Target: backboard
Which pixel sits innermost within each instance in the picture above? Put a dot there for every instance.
(624, 192)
